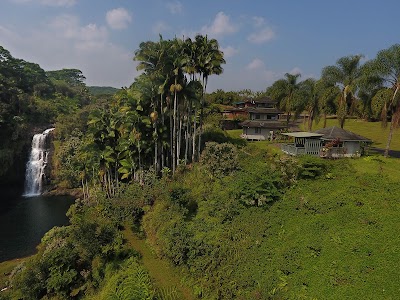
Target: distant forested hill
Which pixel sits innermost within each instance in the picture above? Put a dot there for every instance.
(102, 90)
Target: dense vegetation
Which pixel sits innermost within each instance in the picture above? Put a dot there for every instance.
(31, 99)
(239, 221)
(102, 90)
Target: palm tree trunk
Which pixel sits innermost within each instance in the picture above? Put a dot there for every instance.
(174, 131)
(178, 156)
(162, 122)
(201, 115)
(310, 120)
(389, 140)
(395, 115)
(194, 135)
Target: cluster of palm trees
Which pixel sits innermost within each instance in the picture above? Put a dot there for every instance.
(158, 121)
(370, 90)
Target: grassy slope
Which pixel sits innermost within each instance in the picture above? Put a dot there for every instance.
(328, 238)
(5, 269)
(331, 238)
(165, 276)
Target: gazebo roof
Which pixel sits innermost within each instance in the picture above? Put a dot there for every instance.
(334, 132)
(303, 134)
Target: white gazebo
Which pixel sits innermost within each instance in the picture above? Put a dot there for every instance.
(327, 142)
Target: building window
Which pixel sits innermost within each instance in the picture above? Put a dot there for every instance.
(258, 130)
(257, 116)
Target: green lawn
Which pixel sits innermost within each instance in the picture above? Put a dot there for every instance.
(371, 130)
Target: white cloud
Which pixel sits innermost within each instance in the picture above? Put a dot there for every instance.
(260, 73)
(82, 37)
(175, 7)
(221, 25)
(118, 18)
(255, 64)
(229, 51)
(262, 36)
(66, 43)
(258, 21)
(295, 70)
(65, 3)
(160, 27)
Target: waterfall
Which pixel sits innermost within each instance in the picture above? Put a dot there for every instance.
(35, 167)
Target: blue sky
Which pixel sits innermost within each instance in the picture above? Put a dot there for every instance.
(262, 40)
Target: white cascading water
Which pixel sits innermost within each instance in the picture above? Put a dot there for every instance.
(35, 167)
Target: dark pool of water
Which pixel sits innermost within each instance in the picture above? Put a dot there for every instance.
(24, 221)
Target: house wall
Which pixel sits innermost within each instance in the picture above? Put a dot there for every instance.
(255, 116)
(351, 148)
(256, 133)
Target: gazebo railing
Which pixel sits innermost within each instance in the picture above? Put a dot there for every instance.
(292, 149)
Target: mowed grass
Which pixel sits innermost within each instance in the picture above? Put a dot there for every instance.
(371, 130)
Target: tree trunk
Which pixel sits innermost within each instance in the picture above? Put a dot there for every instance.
(310, 120)
(174, 131)
(194, 136)
(389, 140)
(201, 116)
(162, 122)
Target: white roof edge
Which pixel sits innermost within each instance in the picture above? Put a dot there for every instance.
(303, 134)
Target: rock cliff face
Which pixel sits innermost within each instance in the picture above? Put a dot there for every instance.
(13, 160)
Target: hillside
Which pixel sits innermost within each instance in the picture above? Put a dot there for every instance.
(102, 90)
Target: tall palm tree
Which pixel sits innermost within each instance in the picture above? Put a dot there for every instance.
(386, 66)
(156, 61)
(346, 74)
(286, 92)
(209, 61)
(310, 91)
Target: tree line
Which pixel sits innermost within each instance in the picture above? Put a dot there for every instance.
(158, 121)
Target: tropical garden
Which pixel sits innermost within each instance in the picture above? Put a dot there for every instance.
(231, 219)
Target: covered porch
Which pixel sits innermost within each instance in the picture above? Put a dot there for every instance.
(303, 143)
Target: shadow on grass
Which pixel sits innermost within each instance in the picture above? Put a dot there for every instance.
(220, 136)
(392, 153)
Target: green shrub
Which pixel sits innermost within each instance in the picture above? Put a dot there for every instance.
(130, 282)
(312, 167)
(220, 159)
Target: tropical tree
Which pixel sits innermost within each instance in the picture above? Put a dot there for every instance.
(345, 74)
(386, 66)
(328, 97)
(209, 61)
(309, 90)
(286, 92)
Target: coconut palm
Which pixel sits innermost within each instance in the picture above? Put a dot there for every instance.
(386, 66)
(345, 74)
